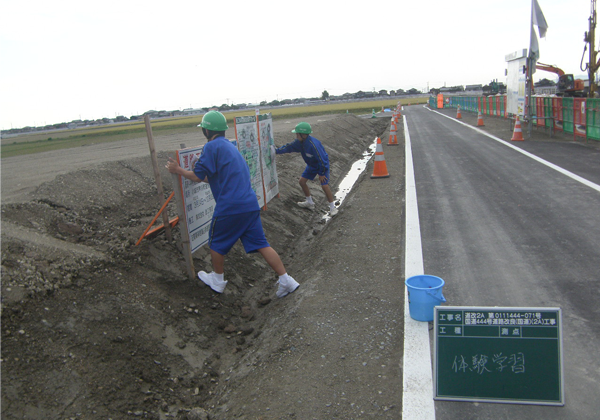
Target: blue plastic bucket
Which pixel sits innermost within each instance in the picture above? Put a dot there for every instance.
(424, 292)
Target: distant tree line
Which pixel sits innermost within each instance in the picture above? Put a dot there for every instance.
(325, 96)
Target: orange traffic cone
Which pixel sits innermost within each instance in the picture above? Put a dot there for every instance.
(379, 168)
(458, 116)
(518, 133)
(393, 135)
(479, 119)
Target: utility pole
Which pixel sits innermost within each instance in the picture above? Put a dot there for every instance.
(593, 64)
(529, 90)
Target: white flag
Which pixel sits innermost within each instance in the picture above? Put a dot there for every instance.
(534, 50)
(538, 19)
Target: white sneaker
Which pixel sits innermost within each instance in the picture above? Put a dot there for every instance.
(286, 286)
(306, 205)
(333, 211)
(210, 279)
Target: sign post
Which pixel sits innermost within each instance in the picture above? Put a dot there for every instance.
(165, 214)
(502, 355)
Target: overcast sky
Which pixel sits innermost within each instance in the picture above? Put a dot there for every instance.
(63, 60)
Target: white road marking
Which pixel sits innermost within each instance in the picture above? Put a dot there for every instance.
(526, 153)
(417, 387)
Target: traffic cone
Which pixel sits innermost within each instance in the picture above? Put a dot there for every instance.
(518, 133)
(379, 168)
(382, 110)
(458, 116)
(479, 119)
(373, 115)
(393, 135)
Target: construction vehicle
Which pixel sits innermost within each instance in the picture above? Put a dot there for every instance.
(567, 84)
(494, 88)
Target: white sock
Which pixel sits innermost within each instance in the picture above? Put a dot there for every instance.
(310, 200)
(219, 276)
(332, 205)
(283, 278)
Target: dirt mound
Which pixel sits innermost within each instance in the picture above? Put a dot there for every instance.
(96, 327)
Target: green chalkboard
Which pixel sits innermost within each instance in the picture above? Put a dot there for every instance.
(491, 354)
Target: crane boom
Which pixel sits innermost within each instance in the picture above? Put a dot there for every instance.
(550, 68)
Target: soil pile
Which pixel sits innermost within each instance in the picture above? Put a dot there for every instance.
(96, 327)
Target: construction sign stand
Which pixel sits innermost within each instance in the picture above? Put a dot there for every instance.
(148, 232)
(379, 168)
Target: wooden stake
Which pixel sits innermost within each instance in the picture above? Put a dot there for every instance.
(165, 214)
(185, 236)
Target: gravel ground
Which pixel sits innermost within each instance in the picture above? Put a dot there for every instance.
(95, 327)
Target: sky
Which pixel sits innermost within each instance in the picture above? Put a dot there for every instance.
(65, 60)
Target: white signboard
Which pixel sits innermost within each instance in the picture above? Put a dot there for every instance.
(516, 82)
(269, 170)
(248, 145)
(198, 201)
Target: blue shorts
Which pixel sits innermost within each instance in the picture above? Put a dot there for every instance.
(226, 230)
(311, 173)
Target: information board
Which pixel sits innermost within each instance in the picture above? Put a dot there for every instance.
(198, 201)
(269, 170)
(516, 78)
(255, 138)
(492, 354)
(246, 130)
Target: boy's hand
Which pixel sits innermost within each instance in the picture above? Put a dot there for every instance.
(172, 165)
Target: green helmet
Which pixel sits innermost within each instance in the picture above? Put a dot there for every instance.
(302, 128)
(214, 121)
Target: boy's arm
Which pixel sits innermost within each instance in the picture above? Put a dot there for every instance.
(288, 148)
(174, 168)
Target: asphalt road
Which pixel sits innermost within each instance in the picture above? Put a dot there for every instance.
(503, 229)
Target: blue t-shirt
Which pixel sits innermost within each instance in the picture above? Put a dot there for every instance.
(228, 176)
(312, 152)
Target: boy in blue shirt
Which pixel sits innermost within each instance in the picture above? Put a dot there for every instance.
(237, 213)
(317, 163)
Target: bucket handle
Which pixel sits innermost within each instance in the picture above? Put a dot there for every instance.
(441, 299)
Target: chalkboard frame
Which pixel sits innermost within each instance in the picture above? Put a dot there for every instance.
(446, 389)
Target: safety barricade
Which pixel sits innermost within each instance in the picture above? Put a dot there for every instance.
(592, 119)
(557, 113)
(579, 117)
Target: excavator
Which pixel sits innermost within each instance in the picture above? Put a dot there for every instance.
(567, 84)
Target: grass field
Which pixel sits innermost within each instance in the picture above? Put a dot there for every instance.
(64, 139)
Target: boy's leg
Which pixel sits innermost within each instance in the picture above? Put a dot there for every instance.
(303, 184)
(272, 258)
(327, 190)
(308, 203)
(328, 193)
(287, 284)
(218, 262)
(215, 280)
